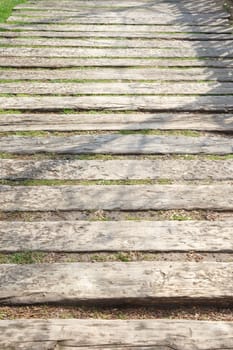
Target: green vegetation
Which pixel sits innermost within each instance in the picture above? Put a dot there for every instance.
(22, 258)
(6, 7)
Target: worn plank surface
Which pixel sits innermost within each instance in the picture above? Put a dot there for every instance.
(128, 88)
(149, 73)
(178, 170)
(87, 27)
(117, 121)
(117, 144)
(220, 103)
(140, 16)
(144, 282)
(116, 197)
(66, 62)
(84, 236)
(116, 334)
(118, 52)
(119, 42)
(191, 38)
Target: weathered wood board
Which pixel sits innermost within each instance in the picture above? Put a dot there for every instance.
(149, 103)
(177, 170)
(198, 52)
(116, 334)
(86, 236)
(117, 144)
(188, 38)
(119, 42)
(116, 197)
(116, 282)
(87, 27)
(59, 62)
(148, 73)
(117, 121)
(127, 88)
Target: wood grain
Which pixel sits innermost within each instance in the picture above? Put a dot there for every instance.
(116, 197)
(118, 52)
(149, 73)
(116, 334)
(117, 121)
(59, 62)
(116, 282)
(117, 144)
(128, 88)
(177, 170)
(84, 236)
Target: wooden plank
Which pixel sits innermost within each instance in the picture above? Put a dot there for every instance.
(86, 236)
(124, 19)
(129, 88)
(147, 73)
(119, 42)
(51, 62)
(117, 144)
(116, 197)
(116, 334)
(121, 28)
(117, 52)
(127, 13)
(161, 6)
(202, 6)
(111, 121)
(177, 170)
(142, 282)
(221, 103)
(190, 37)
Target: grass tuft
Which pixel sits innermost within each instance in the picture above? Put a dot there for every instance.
(6, 7)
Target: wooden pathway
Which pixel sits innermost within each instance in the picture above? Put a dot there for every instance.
(121, 110)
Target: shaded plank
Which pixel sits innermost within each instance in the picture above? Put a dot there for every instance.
(120, 28)
(118, 52)
(139, 18)
(119, 42)
(117, 169)
(108, 88)
(116, 334)
(144, 282)
(222, 103)
(116, 197)
(117, 144)
(117, 121)
(84, 236)
(161, 74)
(53, 62)
(191, 37)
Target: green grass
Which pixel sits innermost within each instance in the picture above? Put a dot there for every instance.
(22, 258)
(6, 7)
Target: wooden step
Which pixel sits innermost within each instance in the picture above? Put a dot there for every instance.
(146, 236)
(149, 73)
(82, 27)
(110, 17)
(176, 170)
(118, 52)
(118, 42)
(59, 62)
(117, 121)
(127, 88)
(188, 38)
(117, 144)
(116, 282)
(149, 103)
(116, 197)
(115, 334)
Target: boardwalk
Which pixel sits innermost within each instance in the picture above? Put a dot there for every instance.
(116, 170)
